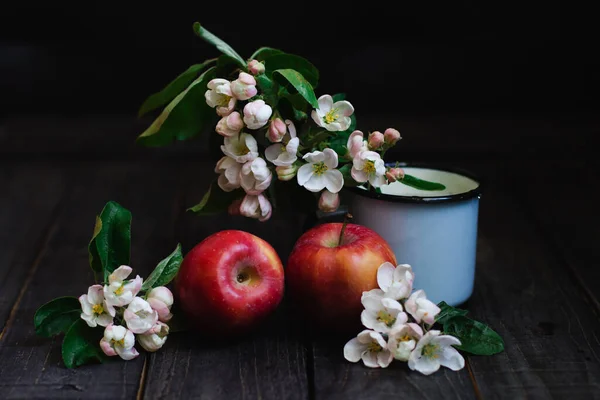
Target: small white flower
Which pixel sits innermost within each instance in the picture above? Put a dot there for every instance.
(284, 154)
(370, 347)
(257, 207)
(421, 308)
(256, 176)
(320, 172)
(381, 314)
(140, 316)
(403, 339)
(435, 350)
(219, 95)
(257, 114)
(244, 87)
(356, 144)
(242, 148)
(120, 291)
(229, 170)
(155, 338)
(333, 116)
(396, 282)
(368, 166)
(96, 311)
(161, 299)
(118, 340)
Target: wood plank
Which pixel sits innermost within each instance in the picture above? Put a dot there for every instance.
(524, 292)
(268, 364)
(28, 201)
(31, 366)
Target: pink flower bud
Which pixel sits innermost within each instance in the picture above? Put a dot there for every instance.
(375, 140)
(277, 130)
(244, 87)
(234, 207)
(356, 144)
(329, 202)
(391, 136)
(230, 125)
(286, 173)
(394, 174)
(256, 67)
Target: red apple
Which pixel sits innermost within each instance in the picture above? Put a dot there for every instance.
(229, 282)
(326, 280)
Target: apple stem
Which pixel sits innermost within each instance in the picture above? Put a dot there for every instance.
(347, 219)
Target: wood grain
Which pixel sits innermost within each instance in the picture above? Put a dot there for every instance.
(30, 366)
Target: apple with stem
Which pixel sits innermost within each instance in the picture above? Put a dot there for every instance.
(330, 267)
(229, 282)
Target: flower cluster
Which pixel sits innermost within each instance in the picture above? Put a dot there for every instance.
(399, 323)
(246, 118)
(124, 314)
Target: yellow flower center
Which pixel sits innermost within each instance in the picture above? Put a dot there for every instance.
(374, 347)
(405, 338)
(331, 116)
(97, 309)
(283, 149)
(118, 342)
(120, 290)
(386, 318)
(224, 100)
(369, 167)
(431, 351)
(319, 168)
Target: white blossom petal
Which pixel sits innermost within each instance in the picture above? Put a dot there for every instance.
(370, 359)
(334, 180)
(325, 103)
(385, 275)
(305, 173)
(353, 350)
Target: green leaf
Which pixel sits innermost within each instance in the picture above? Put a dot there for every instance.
(110, 245)
(264, 52)
(291, 61)
(268, 88)
(421, 184)
(174, 88)
(165, 271)
(216, 200)
(339, 97)
(475, 337)
(218, 43)
(300, 84)
(339, 143)
(448, 312)
(81, 345)
(56, 316)
(184, 117)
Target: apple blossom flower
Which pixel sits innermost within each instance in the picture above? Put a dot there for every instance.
(403, 339)
(229, 170)
(219, 95)
(244, 87)
(435, 350)
(370, 347)
(118, 340)
(391, 136)
(256, 67)
(96, 311)
(375, 140)
(257, 114)
(255, 176)
(356, 144)
(161, 299)
(277, 130)
(241, 148)
(329, 202)
(381, 314)
(155, 338)
(119, 291)
(421, 308)
(286, 173)
(139, 316)
(394, 174)
(257, 207)
(320, 172)
(396, 282)
(284, 154)
(368, 166)
(333, 116)
(230, 125)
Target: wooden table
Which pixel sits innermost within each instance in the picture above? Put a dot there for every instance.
(537, 281)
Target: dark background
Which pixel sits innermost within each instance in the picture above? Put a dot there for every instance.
(473, 78)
